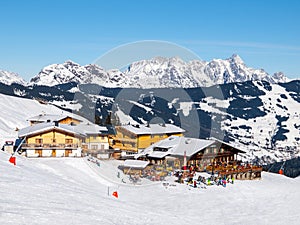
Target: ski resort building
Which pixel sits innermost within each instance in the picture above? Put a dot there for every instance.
(199, 155)
(134, 138)
(58, 136)
(51, 140)
(96, 141)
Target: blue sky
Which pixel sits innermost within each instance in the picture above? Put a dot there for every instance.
(266, 34)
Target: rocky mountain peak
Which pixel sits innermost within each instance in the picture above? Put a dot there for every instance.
(158, 72)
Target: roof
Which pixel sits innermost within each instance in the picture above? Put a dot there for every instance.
(177, 146)
(180, 146)
(135, 163)
(50, 117)
(230, 145)
(153, 129)
(44, 127)
(90, 128)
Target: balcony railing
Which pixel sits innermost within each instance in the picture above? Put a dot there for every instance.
(50, 146)
(213, 155)
(125, 148)
(225, 170)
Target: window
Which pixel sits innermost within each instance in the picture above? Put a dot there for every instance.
(94, 147)
(38, 140)
(157, 149)
(69, 141)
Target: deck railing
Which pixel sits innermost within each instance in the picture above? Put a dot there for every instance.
(226, 170)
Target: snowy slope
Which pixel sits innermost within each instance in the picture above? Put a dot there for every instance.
(265, 124)
(10, 77)
(158, 72)
(68, 191)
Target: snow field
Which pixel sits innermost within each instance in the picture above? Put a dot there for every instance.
(68, 191)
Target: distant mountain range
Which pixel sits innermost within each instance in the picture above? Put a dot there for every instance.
(158, 72)
(7, 77)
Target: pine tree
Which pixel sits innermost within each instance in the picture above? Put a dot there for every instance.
(98, 120)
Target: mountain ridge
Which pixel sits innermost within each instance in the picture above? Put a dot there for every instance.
(7, 77)
(158, 72)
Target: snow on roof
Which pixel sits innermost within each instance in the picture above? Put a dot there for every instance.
(153, 129)
(51, 117)
(90, 128)
(178, 146)
(135, 163)
(158, 154)
(230, 145)
(191, 146)
(42, 127)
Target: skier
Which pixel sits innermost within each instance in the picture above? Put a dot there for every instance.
(208, 181)
(224, 182)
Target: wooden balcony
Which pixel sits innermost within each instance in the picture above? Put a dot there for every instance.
(124, 141)
(125, 148)
(50, 146)
(229, 170)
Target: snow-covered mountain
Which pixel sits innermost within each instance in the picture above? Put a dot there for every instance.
(69, 71)
(158, 72)
(8, 78)
(259, 117)
(174, 72)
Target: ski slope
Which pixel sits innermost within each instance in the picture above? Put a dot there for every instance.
(69, 191)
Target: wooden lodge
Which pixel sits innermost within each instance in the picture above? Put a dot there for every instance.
(63, 136)
(213, 156)
(51, 140)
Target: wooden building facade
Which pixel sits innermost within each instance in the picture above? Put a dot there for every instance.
(51, 140)
(199, 155)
